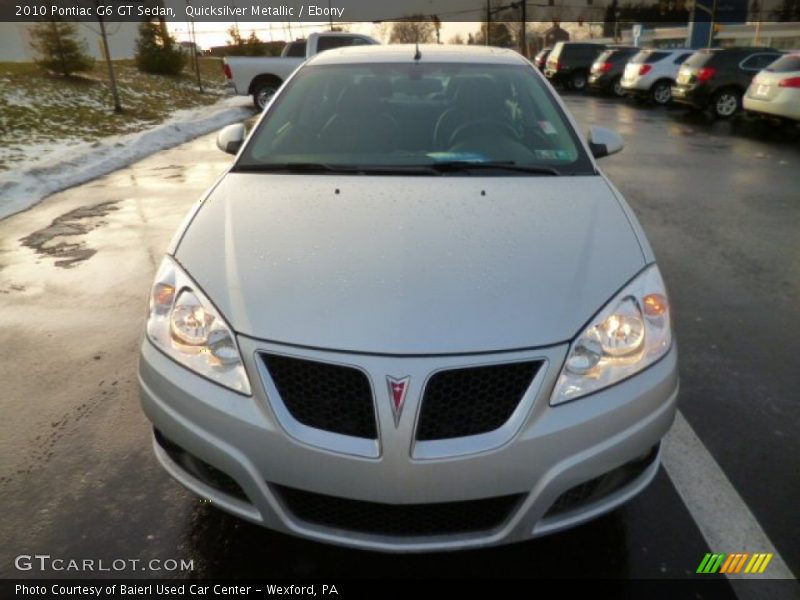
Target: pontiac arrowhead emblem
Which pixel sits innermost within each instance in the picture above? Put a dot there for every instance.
(397, 394)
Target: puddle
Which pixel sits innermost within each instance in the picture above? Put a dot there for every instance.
(12, 288)
(710, 145)
(58, 239)
(176, 172)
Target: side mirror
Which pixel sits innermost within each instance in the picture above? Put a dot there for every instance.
(230, 138)
(604, 142)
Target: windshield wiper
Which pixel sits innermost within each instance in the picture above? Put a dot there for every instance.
(296, 167)
(437, 168)
(300, 167)
(466, 165)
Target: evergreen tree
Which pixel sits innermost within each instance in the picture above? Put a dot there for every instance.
(58, 48)
(156, 50)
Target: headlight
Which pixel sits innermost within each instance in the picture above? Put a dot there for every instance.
(629, 334)
(184, 324)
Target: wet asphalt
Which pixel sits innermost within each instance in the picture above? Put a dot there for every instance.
(720, 203)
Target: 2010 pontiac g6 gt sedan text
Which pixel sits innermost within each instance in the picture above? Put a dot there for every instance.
(413, 315)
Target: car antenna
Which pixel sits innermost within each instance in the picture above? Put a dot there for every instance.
(417, 53)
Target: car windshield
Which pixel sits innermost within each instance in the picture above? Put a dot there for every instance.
(647, 56)
(699, 59)
(426, 118)
(785, 64)
(604, 56)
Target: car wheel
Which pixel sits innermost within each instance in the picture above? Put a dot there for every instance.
(661, 93)
(726, 104)
(617, 89)
(263, 94)
(578, 81)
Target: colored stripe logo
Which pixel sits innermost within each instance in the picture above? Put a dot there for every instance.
(738, 562)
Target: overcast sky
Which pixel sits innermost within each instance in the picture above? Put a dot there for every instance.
(216, 34)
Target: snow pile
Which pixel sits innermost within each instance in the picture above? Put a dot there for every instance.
(60, 166)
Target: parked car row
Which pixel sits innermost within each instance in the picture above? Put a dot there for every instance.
(722, 80)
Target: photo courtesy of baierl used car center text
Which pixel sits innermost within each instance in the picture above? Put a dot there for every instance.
(459, 296)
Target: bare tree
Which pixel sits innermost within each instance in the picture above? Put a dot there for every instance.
(415, 28)
(499, 35)
(457, 39)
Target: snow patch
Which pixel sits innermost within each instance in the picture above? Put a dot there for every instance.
(59, 166)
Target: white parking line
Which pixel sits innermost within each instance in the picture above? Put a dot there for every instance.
(716, 507)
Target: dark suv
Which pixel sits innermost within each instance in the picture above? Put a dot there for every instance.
(569, 63)
(606, 71)
(717, 78)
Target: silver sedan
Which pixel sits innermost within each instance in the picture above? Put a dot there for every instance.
(413, 314)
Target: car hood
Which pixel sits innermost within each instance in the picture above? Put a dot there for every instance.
(410, 265)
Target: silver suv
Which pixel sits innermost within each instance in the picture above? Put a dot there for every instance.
(650, 74)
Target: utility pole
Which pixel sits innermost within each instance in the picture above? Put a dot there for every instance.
(236, 21)
(488, 22)
(712, 12)
(712, 24)
(112, 80)
(195, 58)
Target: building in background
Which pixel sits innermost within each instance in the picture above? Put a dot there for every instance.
(15, 40)
(782, 36)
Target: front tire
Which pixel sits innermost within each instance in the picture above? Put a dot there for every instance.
(726, 103)
(661, 94)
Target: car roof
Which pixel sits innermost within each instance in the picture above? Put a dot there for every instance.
(614, 49)
(737, 50)
(669, 50)
(429, 53)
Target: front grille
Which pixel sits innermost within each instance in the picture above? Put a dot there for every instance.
(399, 519)
(474, 400)
(324, 396)
(200, 469)
(590, 491)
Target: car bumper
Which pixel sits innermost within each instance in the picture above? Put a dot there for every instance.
(786, 105)
(602, 81)
(635, 87)
(545, 453)
(556, 77)
(697, 97)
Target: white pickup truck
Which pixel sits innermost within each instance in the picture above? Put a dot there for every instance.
(261, 76)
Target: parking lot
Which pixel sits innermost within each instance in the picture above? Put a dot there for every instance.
(719, 202)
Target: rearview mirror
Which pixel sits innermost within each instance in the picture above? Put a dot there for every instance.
(230, 138)
(604, 142)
